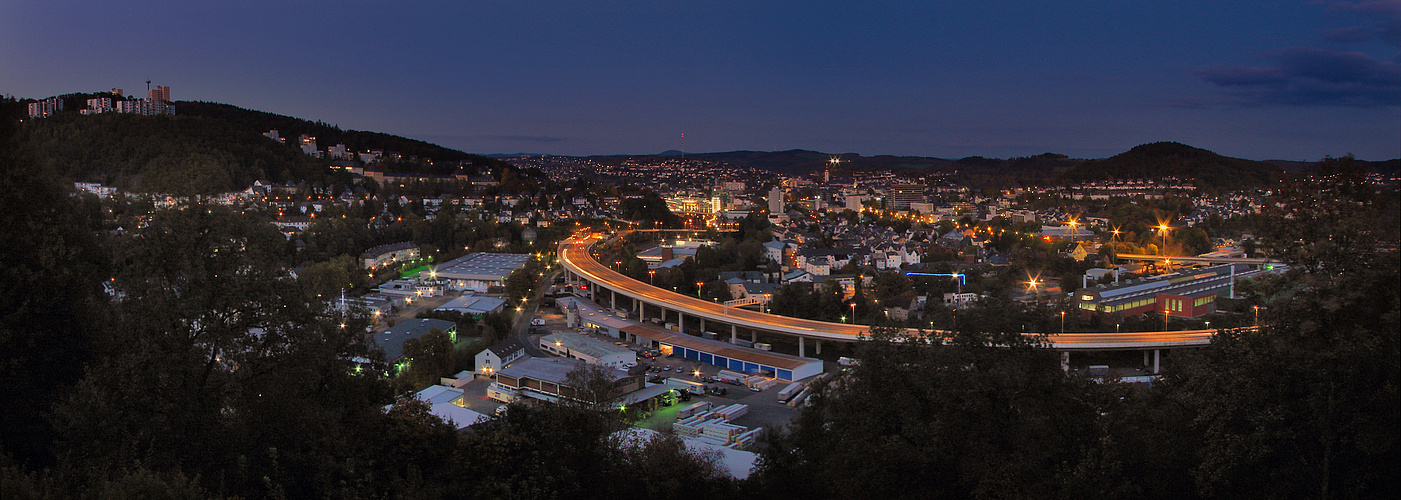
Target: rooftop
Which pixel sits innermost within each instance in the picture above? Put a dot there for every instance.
(588, 346)
(483, 266)
(392, 340)
(472, 304)
(554, 370)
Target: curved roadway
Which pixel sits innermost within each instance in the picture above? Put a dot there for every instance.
(574, 255)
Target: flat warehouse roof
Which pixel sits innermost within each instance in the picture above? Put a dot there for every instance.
(483, 266)
(589, 346)
(719, 348)
(472, 304)
(554, 370)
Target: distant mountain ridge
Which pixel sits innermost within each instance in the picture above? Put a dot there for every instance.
(1154, 160)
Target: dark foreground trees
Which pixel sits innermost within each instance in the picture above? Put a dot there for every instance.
(971, 414)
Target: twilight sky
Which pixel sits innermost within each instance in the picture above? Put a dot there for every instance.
(1280, 79)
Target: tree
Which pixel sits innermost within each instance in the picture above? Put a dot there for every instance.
(1309, 403)
(972, 413)
(593, 387)
(229, 371)
(669, 469)
(50, 301)
(429, 357)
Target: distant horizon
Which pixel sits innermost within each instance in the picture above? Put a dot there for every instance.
(430, 139)
(1297, 81)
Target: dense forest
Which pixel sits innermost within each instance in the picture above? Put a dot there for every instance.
(180, 360)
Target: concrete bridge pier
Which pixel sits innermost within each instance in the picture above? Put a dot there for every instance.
(734, 334)
(802, 348)
(1065, 360)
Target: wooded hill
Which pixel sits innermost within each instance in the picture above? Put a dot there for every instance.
(1204, 168)
(209, 148)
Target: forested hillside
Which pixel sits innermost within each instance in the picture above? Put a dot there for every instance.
(1170, 159)
(209, 148)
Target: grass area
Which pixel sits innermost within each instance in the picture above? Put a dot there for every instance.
(415, 271)
(662, 418)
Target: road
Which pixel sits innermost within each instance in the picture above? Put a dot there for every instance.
(520, 330)
(574, 255)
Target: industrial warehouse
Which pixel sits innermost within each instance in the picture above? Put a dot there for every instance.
(696, 348)
(480, 271)
(1183, 294)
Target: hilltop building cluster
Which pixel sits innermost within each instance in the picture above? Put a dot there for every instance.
(156, 102)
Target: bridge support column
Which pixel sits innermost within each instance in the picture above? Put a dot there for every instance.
(613, 300)
(1065, 360)
(802, 348)
(680, 321)
(702, 327)
(753, 336)
(734, 334)
(818, 344)
(1156, 360)
(1145, 358)
(641, 312)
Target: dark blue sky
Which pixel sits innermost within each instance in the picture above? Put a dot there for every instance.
(1255, 79)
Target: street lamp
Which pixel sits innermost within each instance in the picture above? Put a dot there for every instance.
(651, 273)
(698, 288)
(1166, 313)
(1163, 228)
(1257, 317)
(1062, 322)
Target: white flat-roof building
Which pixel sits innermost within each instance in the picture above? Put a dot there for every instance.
(446, 403)
(473, 305)
(548, 379)
(588, 349)
(480, 271)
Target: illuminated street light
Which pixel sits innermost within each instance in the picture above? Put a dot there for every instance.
(1062, 322)
(1163, 228)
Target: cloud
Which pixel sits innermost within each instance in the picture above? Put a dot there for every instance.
(1386, 22)
(1311, 77)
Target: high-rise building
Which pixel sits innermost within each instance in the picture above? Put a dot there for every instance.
(98, 105)
(902, 195)
(45, 108)
(776, 201)
(160, 93)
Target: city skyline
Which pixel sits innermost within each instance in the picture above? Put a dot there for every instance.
(1294, 82)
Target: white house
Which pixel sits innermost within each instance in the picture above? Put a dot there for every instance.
(498, 356)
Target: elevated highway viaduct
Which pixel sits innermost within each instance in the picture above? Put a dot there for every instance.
(602, 282)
